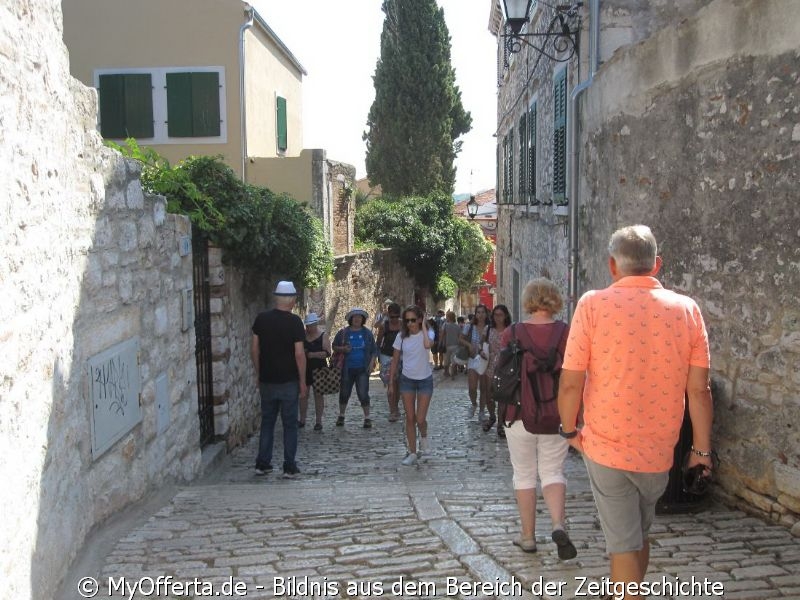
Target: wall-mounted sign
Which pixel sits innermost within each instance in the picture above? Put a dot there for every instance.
(114, 389)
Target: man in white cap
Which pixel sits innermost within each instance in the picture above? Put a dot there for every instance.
(279, 358)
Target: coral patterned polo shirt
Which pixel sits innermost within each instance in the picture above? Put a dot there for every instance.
(635, 341)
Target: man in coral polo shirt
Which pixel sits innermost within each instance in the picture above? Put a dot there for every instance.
(634, 351)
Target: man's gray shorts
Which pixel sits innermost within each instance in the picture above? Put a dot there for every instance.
(626, 503)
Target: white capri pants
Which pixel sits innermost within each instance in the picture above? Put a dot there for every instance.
(535, 455)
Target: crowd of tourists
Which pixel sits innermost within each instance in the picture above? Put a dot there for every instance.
(613, 385)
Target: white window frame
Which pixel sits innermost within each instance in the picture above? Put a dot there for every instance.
(159, 81)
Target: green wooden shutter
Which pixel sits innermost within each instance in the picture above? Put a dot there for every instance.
(281, 123)
(139, 105)
(193, 104)
(179, 104)
(497, 161)
(111, 95)
(533, 199)
(126, 105)
(560, 138)
(506, 195)
(523, 159)
(511, 165)
(205, 104)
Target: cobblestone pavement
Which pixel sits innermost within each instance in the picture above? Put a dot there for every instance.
(357, 524)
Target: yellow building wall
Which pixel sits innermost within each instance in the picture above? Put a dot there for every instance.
(123, 34)
(292, 175)
(269, 74)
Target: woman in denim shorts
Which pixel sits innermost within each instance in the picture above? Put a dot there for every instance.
(411, 357)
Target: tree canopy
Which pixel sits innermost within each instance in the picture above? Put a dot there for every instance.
(417, 115)
(440, 250)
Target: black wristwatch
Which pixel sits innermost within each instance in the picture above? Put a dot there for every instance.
(567, 435)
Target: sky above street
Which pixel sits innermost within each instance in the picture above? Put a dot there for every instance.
(338, 43)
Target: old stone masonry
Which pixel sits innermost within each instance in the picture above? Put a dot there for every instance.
(357, 524)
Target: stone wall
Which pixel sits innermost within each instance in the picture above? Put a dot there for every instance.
(363, 279)
(691, 126)
(706, 155)
(532, 240)
(88, 261)
(236, 299)
(343, 206)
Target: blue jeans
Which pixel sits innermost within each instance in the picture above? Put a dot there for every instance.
(275, 398)
(358, 376)
(423, 387)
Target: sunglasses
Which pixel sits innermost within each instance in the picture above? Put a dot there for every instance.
(410, 320)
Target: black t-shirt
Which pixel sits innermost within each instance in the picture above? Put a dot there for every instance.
(277, 332)
(388, 339)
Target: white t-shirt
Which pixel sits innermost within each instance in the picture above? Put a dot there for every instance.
(415, 356)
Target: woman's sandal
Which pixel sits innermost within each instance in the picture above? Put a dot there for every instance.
(489, 423)
(525, 545)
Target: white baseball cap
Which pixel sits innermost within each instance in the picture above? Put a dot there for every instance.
(311, 319)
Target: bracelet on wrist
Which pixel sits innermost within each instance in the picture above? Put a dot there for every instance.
(701, 453)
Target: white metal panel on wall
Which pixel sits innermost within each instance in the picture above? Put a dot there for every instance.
(114, 390)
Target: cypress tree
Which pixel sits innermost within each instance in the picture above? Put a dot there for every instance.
(417, 115)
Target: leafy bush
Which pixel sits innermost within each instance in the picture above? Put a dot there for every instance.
(256, 228)
(440, 251)
(445, 288)
(472, 253)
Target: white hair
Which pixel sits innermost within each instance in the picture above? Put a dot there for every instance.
(634, 249)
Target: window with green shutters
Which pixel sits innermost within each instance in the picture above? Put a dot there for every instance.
(508, 162)
(560, 138)
(281, 129)
(532, 198)
(498, 160)
(126, 105)
(193, 104)
(522, 197)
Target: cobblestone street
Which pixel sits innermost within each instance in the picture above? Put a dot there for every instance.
(356, 515)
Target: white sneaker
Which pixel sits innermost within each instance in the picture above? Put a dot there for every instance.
(410, 459)
(424, 446)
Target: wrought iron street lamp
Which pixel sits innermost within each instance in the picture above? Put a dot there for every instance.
(472, 207)
(559, 41)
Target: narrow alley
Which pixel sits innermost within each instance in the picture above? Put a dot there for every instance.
(357, 524)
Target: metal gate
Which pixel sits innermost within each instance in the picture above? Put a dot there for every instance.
(202, 332)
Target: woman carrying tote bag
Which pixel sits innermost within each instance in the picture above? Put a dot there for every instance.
(318, 349)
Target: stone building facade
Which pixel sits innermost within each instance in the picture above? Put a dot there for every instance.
(90, 264)
(691, 124)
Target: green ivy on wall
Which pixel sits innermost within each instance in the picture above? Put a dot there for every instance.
(257, 229)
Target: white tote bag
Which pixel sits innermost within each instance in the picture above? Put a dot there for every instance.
(478, 363)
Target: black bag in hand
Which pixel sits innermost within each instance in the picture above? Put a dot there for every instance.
(506, 378)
